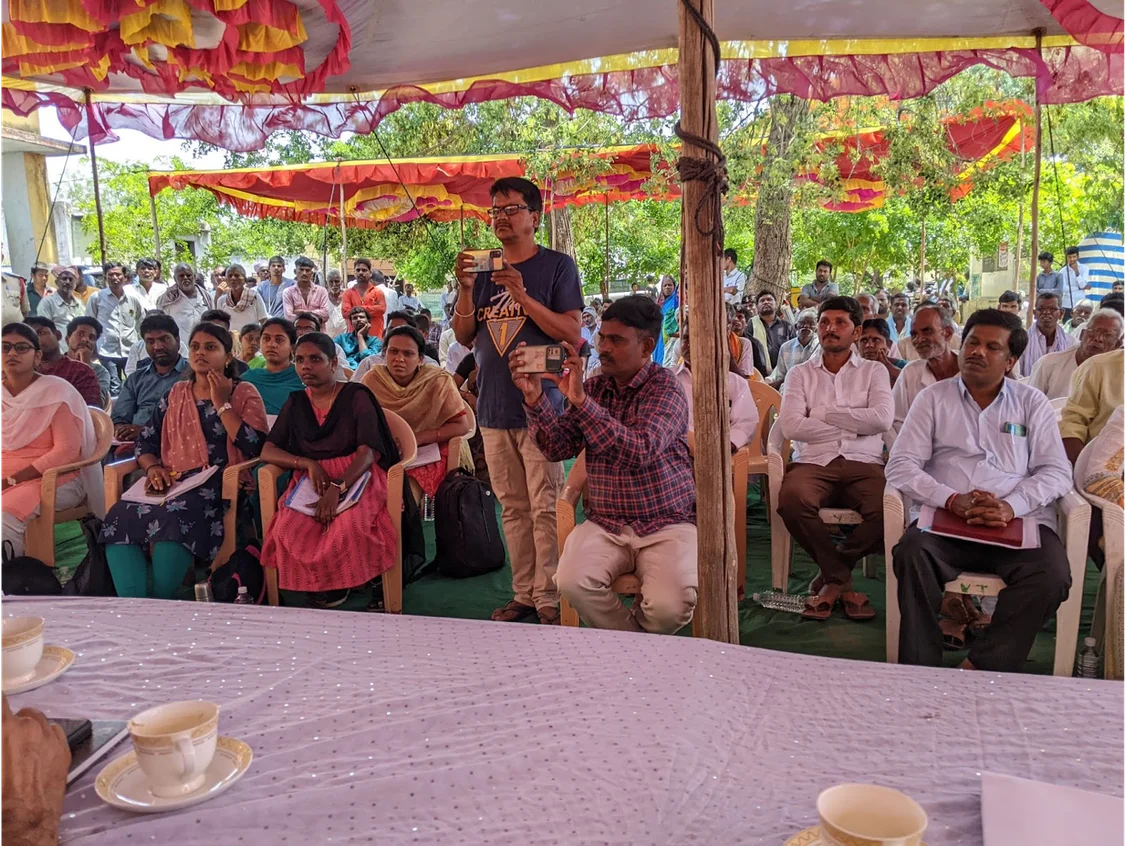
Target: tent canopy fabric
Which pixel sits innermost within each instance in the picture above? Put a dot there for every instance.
(976, 141)
(232, 71)
(375, 193)
(442, 189)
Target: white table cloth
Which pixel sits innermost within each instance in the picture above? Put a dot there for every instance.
(400, 730)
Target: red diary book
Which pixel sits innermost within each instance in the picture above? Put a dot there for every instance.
(951, 526)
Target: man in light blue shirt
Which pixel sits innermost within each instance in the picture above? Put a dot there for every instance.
(987, 449)
(153, 379)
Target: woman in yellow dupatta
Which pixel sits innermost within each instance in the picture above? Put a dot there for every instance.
(426, 397)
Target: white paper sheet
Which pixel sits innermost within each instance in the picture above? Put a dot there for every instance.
(139, 491)
(1019, 812)
(304, 497)
(427, 454)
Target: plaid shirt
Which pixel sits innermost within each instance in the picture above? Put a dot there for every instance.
(638, 469)
(433, 337)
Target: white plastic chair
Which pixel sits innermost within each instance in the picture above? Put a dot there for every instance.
(778, 454)
(1074, 529)
(1111, 596)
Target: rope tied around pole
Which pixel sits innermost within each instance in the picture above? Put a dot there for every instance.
(711, 169)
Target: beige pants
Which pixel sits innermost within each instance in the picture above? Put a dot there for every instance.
(527, 485)
(664, 561)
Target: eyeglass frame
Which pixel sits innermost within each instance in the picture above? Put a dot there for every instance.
(509, 211)
(10, 348)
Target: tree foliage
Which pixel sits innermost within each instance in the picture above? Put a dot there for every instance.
(1081, 188)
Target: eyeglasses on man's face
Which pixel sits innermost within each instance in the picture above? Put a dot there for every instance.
(507, 211)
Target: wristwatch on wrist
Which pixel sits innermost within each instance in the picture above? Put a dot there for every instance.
(340, 486)
(226, 406)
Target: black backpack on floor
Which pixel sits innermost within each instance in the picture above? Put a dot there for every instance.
(468, 536)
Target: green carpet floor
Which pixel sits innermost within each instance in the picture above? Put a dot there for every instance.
(838, 637)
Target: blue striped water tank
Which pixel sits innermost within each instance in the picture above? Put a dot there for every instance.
(1104, 254)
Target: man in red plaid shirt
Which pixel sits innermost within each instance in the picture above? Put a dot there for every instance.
(632, 421)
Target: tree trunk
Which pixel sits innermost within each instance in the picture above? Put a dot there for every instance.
(773, 245)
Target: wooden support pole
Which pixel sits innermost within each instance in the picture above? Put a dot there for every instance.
(463, 227)
(1035, 193)
(605, 283)
(94, 168)
(716, 613)
(155, 226)
(343, 237)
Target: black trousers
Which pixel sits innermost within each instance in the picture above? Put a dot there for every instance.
(1038, 582)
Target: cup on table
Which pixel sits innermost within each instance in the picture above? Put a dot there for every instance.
(175, 744)
(869, 815)
(22, 648)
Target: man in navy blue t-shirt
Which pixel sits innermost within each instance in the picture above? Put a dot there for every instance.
(535, 299)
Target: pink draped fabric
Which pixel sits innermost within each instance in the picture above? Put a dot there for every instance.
(1063, 75)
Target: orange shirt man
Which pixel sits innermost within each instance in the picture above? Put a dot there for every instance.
(364, 293)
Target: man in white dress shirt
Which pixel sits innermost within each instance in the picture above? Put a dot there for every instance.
(1075, 281)
(734, 280)
(796, 350)
(931, 332)
(988, 449)
(835, 410)
(1052, 372)
(1045, 335)
(743, 411)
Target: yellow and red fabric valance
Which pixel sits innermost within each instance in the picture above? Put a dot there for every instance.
(977, 140)
(375, 193)
(235, 48)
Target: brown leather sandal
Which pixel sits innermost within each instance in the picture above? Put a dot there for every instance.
(818, 606)
(857, 606)
(513, 612)
(549, 615)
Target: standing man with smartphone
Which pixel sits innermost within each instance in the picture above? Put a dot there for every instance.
(536, 298)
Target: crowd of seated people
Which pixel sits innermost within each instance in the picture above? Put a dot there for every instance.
(876, 391)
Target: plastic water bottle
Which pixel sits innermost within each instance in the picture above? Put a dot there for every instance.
(776, 600)
(1088, 660)
(243, 597)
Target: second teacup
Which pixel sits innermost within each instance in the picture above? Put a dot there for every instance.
(174, 744)
(22, 648)
(869, 815)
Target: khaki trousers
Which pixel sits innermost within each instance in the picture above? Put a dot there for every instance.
(664, 561)
(527, 485)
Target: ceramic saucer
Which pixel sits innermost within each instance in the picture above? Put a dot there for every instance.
(56, 660)
(122, 783)
(809, 837)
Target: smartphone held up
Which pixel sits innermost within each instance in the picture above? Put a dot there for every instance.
(548, 358)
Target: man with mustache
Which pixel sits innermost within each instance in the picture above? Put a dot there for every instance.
(119, 309)
(1045, 335)
(153, 378)
(632, 422)
(986, 448)
(819, 290)
(931, 333)
(54, 363)
(62, 306)
(796, 350)
(535, 298)
(835, 410)
(769, 328)
(1052, 373)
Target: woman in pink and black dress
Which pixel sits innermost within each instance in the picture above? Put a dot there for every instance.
(331, 433)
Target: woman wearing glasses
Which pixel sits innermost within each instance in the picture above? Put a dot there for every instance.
(45, 424)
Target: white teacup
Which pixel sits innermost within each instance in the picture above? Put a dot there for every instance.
(22, 648)
(869, 815)
(175, 744)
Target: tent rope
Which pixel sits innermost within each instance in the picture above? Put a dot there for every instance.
(710, 169)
